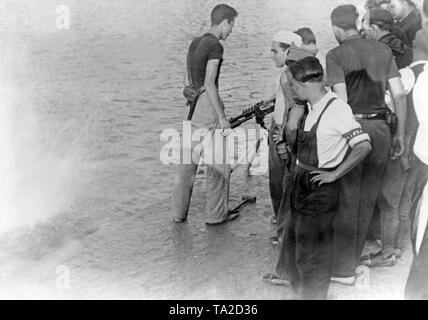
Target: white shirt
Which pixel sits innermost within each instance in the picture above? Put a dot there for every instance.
(337, 131)
(420, 99)
(278, 113)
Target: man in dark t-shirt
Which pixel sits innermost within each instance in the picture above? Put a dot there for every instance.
(365, 75)
(204, 60)
(203, 49)
(359, 70)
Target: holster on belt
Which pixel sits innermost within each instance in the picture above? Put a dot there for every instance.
(390, 119)
(392, 122)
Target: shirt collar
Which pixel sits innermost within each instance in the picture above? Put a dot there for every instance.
(353, 37)
(409, 15)
(209, 34)
(319, 106)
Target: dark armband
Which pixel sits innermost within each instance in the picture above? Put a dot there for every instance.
(352, 134)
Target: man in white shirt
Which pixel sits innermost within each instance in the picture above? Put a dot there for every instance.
(417, 283)
(330, 144)
(284, 118)
(286, 47)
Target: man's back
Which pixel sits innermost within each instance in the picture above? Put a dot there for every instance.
(365, 66)
(202, 49)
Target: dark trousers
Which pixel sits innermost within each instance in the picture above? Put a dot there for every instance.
(309, 235)
(359, 192)
(279, 184)
(417, 282)
(399, 193)
(284, 215)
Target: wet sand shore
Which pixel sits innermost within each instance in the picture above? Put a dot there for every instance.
(128, 257)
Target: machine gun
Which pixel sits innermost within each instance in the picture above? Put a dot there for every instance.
(259, 111)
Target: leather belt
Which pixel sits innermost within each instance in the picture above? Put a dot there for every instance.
(370, 116)
(312, 168)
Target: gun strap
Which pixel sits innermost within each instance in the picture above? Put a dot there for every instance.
(192, 107)
(189, 76)
(201, 90)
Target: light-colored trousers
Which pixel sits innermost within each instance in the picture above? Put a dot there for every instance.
(218, 172)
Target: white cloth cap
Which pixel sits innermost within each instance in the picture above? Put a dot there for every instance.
(287, 37)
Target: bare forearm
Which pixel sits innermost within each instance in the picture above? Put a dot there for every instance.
(291, 136)
(401, 112)
(358, 153)
(215, 102)
(292, 124)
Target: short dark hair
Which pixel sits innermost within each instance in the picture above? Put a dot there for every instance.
(307, 35)
(426, 7)
(308, 69)
(345, 17)
(371, 4)
(222, 12)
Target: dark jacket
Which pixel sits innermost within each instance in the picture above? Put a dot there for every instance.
(411, 25)
(402, 53)
(399, 33)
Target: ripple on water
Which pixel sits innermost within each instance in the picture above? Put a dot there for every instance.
(121, 100)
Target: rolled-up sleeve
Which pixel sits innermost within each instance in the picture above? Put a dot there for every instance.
(335, 72)
(346, 125)
(356, 136)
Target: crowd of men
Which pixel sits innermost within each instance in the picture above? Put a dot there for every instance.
(346, 155)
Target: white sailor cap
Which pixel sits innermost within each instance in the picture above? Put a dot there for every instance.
(288, 37)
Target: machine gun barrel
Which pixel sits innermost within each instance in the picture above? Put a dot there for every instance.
(259, 111)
